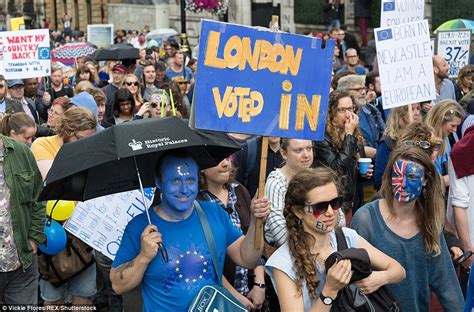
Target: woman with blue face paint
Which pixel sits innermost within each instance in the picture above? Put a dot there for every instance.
(172, 279)
(407, 225)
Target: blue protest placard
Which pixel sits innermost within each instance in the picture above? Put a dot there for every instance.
(260, 82)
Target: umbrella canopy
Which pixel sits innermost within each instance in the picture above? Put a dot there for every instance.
(456, 24)
(106, 162)
(116, 52)
(160, 34)
(70, 51)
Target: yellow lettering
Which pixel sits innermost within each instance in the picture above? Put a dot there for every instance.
(292, 61)
(278, 58)
(256, 97)
(304, 109)
(211, 58)
(241, 93)
(221, 104)
(233, 44)
(247, 56)
(265, 54)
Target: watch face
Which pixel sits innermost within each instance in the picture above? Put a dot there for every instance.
(327, 300)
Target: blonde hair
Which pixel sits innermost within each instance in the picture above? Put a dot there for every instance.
(81, 86)
(441, 113)
(73, 120)
(395, 122)
(138, 97)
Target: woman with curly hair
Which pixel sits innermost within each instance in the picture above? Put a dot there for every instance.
(407, 225)
(398, 120)
(341, 147)
(297, 268)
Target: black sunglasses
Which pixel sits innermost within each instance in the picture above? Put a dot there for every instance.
(134, 83)
(2, 85)
(320, 208)
(154, 105)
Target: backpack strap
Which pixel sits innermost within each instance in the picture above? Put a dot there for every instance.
(211, 244)
(341, 239)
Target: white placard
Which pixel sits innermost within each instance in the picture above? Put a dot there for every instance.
(102, 35)
(405, 64)
(454, 46)
(25, 54)
(396, 12)
(100, 222)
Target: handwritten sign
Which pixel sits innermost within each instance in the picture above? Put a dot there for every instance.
(454, 45)
(396, 12)
(102, 35)
(100, 222)
(260, 82)
(25, 54)
(405, 64)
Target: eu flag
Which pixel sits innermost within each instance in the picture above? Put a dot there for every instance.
(389, 6)
(384, 34)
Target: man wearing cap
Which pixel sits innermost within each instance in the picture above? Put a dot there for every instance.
(7, 106)
(118, 74)
(16, 89)
(86, 100)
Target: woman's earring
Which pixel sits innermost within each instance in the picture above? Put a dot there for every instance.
(300, 222)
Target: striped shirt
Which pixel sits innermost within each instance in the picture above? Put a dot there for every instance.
(275, 191)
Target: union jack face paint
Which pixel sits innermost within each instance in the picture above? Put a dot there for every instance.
(407, 180)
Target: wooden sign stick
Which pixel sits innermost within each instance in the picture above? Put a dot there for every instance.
(263, 166)
(410, 113)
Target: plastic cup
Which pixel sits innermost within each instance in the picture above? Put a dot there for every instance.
(364, 165)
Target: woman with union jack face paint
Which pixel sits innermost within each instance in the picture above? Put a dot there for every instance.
(407, 225)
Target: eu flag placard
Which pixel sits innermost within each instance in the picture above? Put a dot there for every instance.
(389, 6)
(384, 34)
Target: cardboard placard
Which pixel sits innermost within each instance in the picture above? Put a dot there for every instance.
(396, 12)
(405, 64)
(454, 46)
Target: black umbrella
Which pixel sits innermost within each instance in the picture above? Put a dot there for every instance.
(116, 52)
(108, 162)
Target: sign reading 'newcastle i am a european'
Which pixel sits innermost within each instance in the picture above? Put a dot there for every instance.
(260, 82)
(405, 64)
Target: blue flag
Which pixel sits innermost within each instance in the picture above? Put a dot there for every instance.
(384, 34)
(389, 6)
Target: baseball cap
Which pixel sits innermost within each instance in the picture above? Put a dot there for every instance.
(119, 67)
(15, 82)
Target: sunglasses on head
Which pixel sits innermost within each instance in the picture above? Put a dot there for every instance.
(134, 83)
(321, 208)
(423, 144)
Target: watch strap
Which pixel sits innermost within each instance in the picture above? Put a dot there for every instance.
(263, 286)
(326, 300)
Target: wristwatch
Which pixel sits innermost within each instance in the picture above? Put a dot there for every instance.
(263, 286)
(326, 300)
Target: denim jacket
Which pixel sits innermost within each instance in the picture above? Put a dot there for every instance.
(24, 182)
(371, 124)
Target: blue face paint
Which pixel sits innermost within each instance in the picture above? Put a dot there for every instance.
(407, 180)
(179, 185)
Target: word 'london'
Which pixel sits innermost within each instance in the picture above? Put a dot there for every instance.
(239, 54)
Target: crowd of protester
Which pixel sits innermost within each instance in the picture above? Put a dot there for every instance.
(411, 211)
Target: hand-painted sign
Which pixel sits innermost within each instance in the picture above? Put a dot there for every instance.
(260, 82)
(405, 64)
(100, 222)
(454, 46)
(396, 12)
(25, 54)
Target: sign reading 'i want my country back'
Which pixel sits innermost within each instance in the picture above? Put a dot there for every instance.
(405, 64)
(260, 82)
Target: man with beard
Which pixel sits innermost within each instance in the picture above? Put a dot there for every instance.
(57, 88)
(31, 95)
(444, 86)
